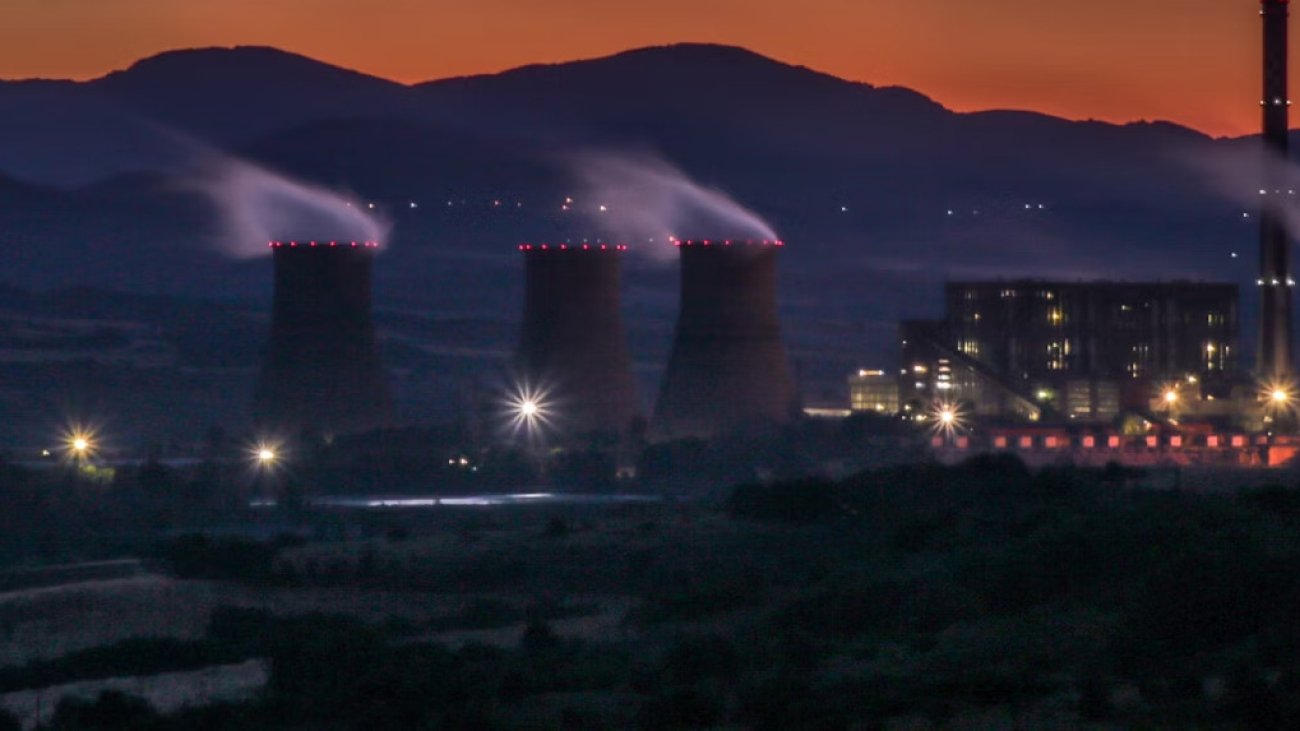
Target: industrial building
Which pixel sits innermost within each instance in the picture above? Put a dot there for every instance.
(1042, 330)
(573, 346)
(321, 370)
(1079, 350)
(728, 368)
(873, 392)
(1165, 355)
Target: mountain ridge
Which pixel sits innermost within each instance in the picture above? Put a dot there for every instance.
(882, 191)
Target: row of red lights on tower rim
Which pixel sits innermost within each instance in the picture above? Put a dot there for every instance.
(573, 247)
(728, 242)
(366, 244)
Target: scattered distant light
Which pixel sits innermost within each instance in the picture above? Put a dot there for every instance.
(844, 209)
(1041, 206)
(370, 206)
(950, 212)
(603, 209)
(1235, 255)
(413, 205)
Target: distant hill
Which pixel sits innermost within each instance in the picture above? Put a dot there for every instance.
(881, 191)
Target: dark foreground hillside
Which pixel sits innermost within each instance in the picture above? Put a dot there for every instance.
(979, 596)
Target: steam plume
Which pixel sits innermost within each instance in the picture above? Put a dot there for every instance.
(638, 196)
(1236, 174)
(257, 205)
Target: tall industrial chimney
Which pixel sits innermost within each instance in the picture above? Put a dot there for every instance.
(573, 346)
(728, 367)
(1274, 269)
(322, 371)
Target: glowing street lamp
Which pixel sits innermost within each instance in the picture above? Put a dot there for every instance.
(947, 419)
(1279, 402)
(79, 444)
(266, 456)
(1277, 395)
(528, 409)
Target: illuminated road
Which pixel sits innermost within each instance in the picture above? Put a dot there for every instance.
(464, 501)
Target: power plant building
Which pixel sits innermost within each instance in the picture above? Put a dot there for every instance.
(573, 346)
(873, 392)
(728, 369)
(321, 370)
(1083, 349)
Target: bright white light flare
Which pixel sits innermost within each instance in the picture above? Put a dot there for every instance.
(948, 419)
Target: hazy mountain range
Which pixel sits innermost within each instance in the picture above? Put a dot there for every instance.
(880, 192)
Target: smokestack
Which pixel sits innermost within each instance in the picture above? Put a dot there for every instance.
(1274, 269)
(322, 371)
(728, 367)
(573, 345)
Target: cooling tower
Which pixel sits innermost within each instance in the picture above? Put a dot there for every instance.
(322, 371)
(573, 345)
(728, 367)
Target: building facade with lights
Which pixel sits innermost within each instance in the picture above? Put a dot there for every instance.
(873, 392)
(1080, 350)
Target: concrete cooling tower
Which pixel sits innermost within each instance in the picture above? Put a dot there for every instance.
(728, 367)
(322, 371)
(573, 345)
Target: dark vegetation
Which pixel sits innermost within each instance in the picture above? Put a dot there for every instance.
(984, 591)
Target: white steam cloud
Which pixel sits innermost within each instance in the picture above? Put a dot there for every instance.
(257, 205)
(638, 196)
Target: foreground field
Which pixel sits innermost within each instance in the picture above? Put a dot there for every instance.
(979, 596)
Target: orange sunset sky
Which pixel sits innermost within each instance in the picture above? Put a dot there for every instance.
(1190, 61)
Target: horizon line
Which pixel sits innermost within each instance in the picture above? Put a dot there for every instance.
(1115, 121)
